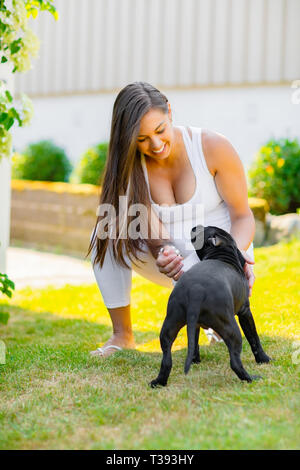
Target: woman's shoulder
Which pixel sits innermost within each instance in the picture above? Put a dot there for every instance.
(214, 146)
(213, 141)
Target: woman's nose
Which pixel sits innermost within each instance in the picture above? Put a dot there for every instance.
(156, 143)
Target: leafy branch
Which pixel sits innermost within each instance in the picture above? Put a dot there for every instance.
(18, 45)
(6, 285)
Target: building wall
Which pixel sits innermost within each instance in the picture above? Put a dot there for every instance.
(247, 116)
(100, 45)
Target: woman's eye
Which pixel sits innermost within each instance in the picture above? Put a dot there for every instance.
(158, 132)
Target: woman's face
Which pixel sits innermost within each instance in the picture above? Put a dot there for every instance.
(156, 134)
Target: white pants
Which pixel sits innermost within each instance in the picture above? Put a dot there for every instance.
(114, 281)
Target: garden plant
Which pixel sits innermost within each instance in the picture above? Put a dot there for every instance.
(91, 166)
(274, 175)
(41, 161)
(18, 45)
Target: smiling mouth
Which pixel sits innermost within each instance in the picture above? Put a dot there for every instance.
(157, 152)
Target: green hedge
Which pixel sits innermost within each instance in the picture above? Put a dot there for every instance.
(41, 161)
(275, 174)
(91, 165)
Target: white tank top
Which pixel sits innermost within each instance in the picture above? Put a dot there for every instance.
(206, 206)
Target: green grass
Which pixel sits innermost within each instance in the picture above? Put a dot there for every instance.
(54, 396)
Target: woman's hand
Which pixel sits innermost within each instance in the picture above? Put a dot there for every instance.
(169, 262)
(248, 270)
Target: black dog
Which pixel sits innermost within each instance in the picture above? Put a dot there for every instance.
(208, 296)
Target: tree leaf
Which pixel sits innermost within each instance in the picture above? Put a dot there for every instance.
(15, 46)
(3, 117)
(8, 95)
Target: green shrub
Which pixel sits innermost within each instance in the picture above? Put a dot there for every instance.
(41, 161)
(91, 165)
(275, 174)
(6, 287)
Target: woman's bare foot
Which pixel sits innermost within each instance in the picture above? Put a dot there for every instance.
(122, 340)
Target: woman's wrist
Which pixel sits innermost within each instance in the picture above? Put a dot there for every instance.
(157, 246)
(161, 250)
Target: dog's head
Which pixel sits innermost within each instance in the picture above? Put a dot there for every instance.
(211, 241)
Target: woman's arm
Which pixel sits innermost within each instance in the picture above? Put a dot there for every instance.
(168, 261)
(224, 163)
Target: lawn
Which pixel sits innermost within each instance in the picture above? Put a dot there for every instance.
(54, 396)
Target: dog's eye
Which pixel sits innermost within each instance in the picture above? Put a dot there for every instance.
(215, 241)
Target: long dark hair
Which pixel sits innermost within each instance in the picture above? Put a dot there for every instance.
(123, 173)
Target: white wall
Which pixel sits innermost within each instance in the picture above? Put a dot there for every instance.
(5, 177)
(104, 44)
(5, 171)
(246, 116)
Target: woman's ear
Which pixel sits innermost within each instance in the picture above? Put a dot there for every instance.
(169, 112)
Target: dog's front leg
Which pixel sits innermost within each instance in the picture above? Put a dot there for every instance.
(248, 326)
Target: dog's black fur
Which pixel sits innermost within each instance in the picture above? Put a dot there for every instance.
(209, 295)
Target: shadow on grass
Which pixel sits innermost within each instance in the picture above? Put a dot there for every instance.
(44, 341)
(44, 338)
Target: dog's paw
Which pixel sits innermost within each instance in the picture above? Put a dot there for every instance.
(196, 360)
(156, 383)
(263, 358)
(250, 378)
(256, 377)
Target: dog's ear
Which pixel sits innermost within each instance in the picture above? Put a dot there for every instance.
(215, 241)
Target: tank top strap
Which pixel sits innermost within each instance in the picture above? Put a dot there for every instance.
(197, 152)
(189, 145)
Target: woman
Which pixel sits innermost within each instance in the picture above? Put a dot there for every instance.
(169, 169)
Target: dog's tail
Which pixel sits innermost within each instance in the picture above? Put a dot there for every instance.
(191, 334)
